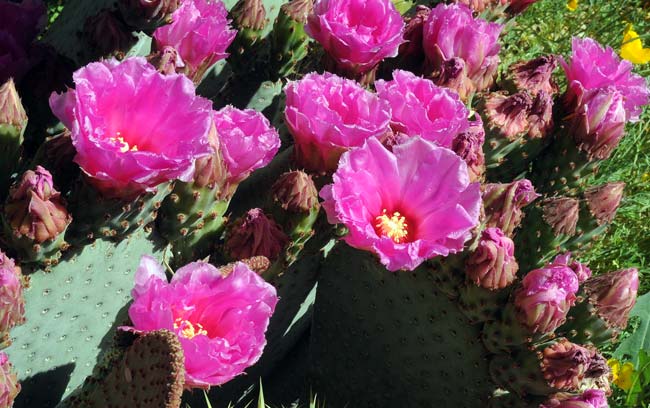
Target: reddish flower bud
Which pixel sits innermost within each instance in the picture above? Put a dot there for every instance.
(603, 201)
(540, 116)
(255, 234)
(565, 365)
(535, 75)
(295, 191)
(493, 265)
(614, 295)
(469, 146)
(508, 114)
(561, 213)
(503, 203)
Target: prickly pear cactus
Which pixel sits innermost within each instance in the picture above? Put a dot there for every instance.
(334, 197)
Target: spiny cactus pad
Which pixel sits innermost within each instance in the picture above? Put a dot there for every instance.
(72, 312)
(391, 339)
(150, 374)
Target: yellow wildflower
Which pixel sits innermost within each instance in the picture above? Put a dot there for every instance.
(572, 5)
(632, 48)
(621, 373)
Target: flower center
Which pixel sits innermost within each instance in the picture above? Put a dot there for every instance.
(392, 226)
(124, 145)
(188, 329)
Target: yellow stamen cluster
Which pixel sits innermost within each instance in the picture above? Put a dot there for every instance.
(124, 145)
(393, 226)
(189, 330)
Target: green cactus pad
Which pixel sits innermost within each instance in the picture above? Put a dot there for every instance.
(150, 374)
(389, 339)
(71, 314)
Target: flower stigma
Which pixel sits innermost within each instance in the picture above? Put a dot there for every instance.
(124, 145)
(394, 226)
(189, 330)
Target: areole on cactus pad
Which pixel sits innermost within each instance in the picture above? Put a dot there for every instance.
(166, 237)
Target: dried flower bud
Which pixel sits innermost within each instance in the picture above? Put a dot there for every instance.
(540, 116)
(503, 203)
(508, 114)
(255, 234)
(12, 311)
(561, 213)
(148, 14)
(603, 201)
(613, 295)
(535, 75)
(295, 191)
(565, 364)
(107, 33)
(469, 146)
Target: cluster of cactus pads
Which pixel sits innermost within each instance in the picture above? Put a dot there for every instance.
(417, 209)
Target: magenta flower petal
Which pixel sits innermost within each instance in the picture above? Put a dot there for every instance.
(327, 115)
(220, 319)
(247, 141)
(406, 206)
(357, 34)
(419, 107)
(134, 128)
(594, 66)
(200, 32)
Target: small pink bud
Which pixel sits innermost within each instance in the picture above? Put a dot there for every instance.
(12, 311)
(603, 201)
(613, 295)
(255, 234)
(295, 191)
(493, 265)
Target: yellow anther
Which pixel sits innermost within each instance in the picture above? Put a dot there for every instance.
(188, 329)
(394, 227)
(124, 145)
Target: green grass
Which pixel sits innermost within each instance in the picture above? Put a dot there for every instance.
(547, 27)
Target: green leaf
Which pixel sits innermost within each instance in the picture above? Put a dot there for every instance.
(640, 339)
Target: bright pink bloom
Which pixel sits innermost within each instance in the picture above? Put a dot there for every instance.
(594, 66)
(357, 34)
(582, 271)
(247, 141)
(219, 320)
(200, 32)
(327, 115)
(134, 128)
(545, 296)
(9, 385)
(408, 205)
(452, 32)
(589, 399)
(598, 122)
(20, 23)
(11, 297)
(421, 108)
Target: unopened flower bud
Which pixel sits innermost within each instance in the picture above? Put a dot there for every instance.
(503, 203)
(9, 385)
(613, 295)
(561, 213)
(249, 14)
(12, 311)
(508, 114)
(255, 234)
(493, 265)
(565, 364)
(603, 201)
(540, 116)
(295, 191)
(12, 112)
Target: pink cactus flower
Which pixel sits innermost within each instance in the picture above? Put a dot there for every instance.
(357, 34)
(598, 123)
(9, 385)
(422, 108)
(594, 66)
(247, 141)
(220, 318)
(582, 271)
(132, 127)
(406, 206)
(451, 31)
(201, 34)
(593, 398)
(11, 298)
(545, 296)
(327, 115)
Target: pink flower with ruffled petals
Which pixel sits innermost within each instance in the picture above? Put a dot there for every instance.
(219, 319)
(200, 32)
(132, 127)
(545, 296)
(247, 141)
(9, 385)
(11, 298)
(327, 115)
(422, 108)
(594, 66)
(452, 32)
(593, 398)
(357, 34)
(406, 206)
